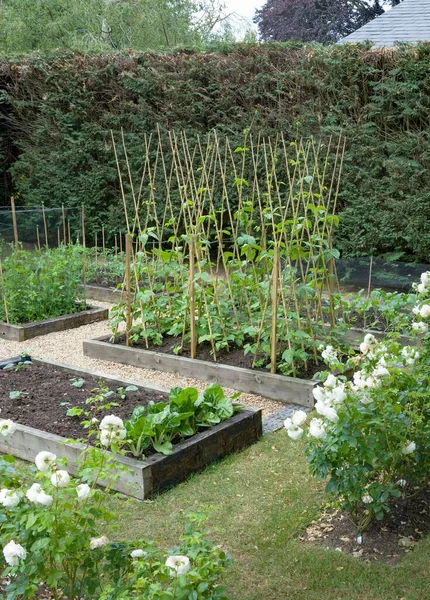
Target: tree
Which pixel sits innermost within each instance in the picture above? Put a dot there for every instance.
(324, 21)
(103, 25)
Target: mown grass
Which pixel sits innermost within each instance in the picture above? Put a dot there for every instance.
(258, 502)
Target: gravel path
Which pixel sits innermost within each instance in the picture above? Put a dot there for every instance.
(66, 347)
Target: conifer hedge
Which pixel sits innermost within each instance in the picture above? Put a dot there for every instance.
(57, 113)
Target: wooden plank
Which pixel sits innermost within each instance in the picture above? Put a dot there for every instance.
(355, 336)
(26, 442)
(276, 387)
(102, 294)
(19, 333)
(144, 477)
(189, 457)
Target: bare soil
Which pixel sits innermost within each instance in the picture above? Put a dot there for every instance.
(48, 393)
(234, 357)
(384, 541)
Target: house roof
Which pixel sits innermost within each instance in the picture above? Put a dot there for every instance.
(408, 22)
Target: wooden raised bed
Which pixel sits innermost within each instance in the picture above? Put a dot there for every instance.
(102, 294)
(157, 472)
(20, 333)
(277, 387)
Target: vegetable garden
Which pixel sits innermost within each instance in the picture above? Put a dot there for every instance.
(243, 263)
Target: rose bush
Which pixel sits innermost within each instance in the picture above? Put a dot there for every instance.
(371, 438)
(50, 525)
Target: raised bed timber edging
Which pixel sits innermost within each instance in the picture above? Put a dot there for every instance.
(102, 294)
(354, 337)
(145, 477)
(20, 333)
(277, 387)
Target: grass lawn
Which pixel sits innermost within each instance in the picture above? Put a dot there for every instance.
(258, 502)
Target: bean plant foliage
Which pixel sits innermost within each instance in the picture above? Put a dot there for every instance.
(41, 284)
(52, 531)
(371, 438)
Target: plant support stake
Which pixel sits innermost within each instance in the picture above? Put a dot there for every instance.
(275, 277)
(128, 241)
(192, 301)
(45, 227)
(15, 227)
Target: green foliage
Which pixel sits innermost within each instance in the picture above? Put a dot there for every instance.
(371, 443)
(49, 532)
(100, 26)
(159, 425)
(57, 127)
(39, 285)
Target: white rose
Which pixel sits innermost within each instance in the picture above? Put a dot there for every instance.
(60, 479)
(416, 310)
(13, 553)
(178, 565)
(329, 354)
(7, 427)
(295, 432)
(83, 491)
(409, 447)
(111, 423)
(138, 553)
(367, 499)
(331, 381)
(9, 498)
(425, 311)
(316, 429)
(337, 394)
(318, 393)
(108, 436)
(359, 380)
(331, 414)
(299, 417)
(321, 408)
(288, 423)
(98, 542)
(410, 354)
(425, 278)
(421, 288)
(44, 461)
(364, 348)
(380, 371)
(419, 327)
(370, 339)
(36, 495)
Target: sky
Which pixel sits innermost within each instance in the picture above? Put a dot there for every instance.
(244, 8)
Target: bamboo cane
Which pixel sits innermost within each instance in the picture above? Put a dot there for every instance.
(128, 322)
(63, 214)
(14, 224)
(273, 339)
(45, 227)
(191, 291)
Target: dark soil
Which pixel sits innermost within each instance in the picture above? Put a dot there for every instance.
(384, 541)
(234, 357)
(47, 394)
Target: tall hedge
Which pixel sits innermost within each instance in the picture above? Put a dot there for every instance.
(57, 113)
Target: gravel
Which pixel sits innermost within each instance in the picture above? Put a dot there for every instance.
(66, 347)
